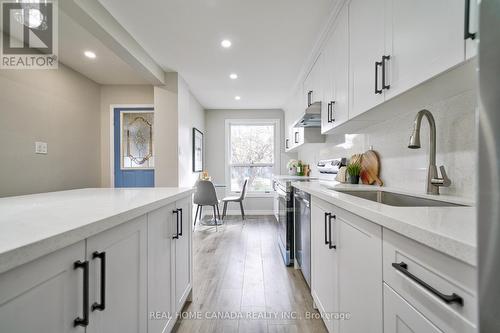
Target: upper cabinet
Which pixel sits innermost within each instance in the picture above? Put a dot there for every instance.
(366, 38)
(335, 103)
(422, 38)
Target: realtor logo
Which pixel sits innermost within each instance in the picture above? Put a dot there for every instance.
(29, 34)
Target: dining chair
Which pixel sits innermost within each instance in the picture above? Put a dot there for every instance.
(239, 199)
(205, 195)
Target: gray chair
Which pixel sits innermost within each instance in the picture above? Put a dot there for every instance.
(239, 199)
(205, 195)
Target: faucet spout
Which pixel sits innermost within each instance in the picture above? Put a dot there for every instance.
(433, 181)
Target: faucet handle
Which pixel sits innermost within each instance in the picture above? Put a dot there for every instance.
(444, 181)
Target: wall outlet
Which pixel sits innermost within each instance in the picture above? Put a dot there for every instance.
(41, 147)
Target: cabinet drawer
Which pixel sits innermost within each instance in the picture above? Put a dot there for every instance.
(419, 265)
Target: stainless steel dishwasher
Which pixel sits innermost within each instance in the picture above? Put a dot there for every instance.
(302, 228)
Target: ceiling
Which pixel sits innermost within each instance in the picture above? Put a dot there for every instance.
(107, 68)
(271, 42)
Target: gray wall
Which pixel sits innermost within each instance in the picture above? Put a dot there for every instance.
(214, 150)
(60, 107)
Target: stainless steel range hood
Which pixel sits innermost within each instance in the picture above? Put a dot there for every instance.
(311, 117)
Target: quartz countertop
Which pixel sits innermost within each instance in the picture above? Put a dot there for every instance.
(34, 225)
(451, 230)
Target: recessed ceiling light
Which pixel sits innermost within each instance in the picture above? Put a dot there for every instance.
(225, 43)
(233, 76)
(237, 98)
(90, 54)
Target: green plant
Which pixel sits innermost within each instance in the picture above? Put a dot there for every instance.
(354, 169)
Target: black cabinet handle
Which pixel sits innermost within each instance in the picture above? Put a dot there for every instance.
(467, 33)
(309, 98)
(384, 85)
(180, 210)
(296, 137)
(330, 245)
(102, 257)
(176, 212)
(286, 143)
(332, 119)
(377, 90)
(79, 321)
(327, 215)
(453, 298)
(328, 112)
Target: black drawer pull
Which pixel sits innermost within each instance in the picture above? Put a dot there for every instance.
(180, 210)
(467, 33)
(327, 215)
(453, 298)
(330, 245)
(377, 90)
(79, 321)
(384, 60)
(176, 212)
(102, 305)
(332, 118)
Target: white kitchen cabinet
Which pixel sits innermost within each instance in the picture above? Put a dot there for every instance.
(182, 253)
(160, 286)
(324, 264)
(44, 295)
(423, 38)
(335, 103)
(401, 317)
(125, 285)
(360, 273)
(313, 83)
(366, 39)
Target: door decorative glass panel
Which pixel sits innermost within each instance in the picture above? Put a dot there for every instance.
(136, 149)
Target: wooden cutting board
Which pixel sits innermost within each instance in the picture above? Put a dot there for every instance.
(370, 168)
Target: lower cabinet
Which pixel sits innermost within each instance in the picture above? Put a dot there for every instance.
(401, 317)
(118, 301)
(46, 295)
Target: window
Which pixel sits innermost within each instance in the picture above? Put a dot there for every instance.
(252, 152)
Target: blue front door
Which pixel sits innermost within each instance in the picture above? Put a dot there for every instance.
(133, 164)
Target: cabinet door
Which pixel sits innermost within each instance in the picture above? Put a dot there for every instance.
(125, 248)
(160, 297)
(366, 38)
(324, 282)
(339, 76)
(360, 274)
(182, 254)
(45, 295)
(423, 39)
(401, 317)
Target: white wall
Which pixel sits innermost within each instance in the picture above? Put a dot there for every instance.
(60, 107)
(401, 167)
(117, 95)
(191, 114)
(215, 158)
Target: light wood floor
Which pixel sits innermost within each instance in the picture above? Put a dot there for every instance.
(238, 270)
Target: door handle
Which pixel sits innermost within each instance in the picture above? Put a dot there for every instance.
(296, 137)
(83, 321)
(327, 215)
(176, 212)
(180, 210)
(309, 97)
(330, 245)
(286, 143)
(467, 33)
(328, 112)
(102, 256)
(453, 298)
(377, 64)
(332, 119)
(385, 58)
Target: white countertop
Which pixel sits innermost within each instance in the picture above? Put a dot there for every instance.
(451, 230)
(34, 225)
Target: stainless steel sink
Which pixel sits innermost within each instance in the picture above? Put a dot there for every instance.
(400, 200)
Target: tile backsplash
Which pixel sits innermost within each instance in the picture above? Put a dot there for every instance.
(406, 168)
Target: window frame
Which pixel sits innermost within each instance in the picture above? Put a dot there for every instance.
(227, 144)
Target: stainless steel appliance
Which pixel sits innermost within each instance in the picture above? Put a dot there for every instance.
(303, 233)
(284, 196)
(488, 190)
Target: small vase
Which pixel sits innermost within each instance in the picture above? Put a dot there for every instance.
(292, 171)
(354, 179)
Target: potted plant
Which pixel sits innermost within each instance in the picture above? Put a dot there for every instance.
(354, 169)
(292, 167)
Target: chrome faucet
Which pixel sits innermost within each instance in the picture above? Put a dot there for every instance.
(433, 181)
